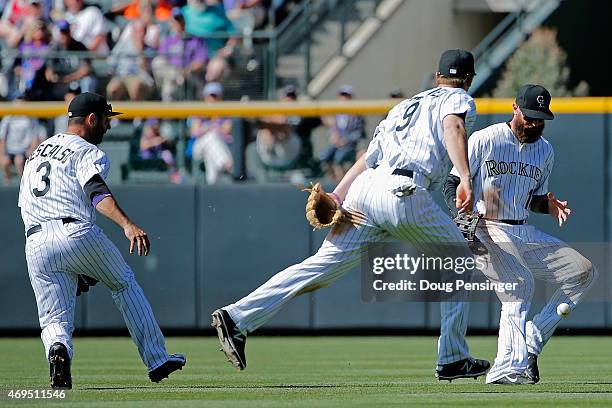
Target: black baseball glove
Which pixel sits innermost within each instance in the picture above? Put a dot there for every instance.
(84, 282)
(467, 224)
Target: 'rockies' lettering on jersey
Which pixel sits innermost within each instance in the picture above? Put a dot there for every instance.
(495, 168)
(53, 180)
(507, 173)
(411, 137)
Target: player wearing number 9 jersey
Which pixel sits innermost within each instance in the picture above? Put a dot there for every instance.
(390, 186)
(61, 189)
(412, 135)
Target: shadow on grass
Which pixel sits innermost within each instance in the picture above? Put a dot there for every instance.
(220, 387)
(492, 389)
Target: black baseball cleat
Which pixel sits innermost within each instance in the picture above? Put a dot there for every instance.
(466, 368)
(59, 367)
(513, 379)
(532, 371)
(232, 340)
(175, 362)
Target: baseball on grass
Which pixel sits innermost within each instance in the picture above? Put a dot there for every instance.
(563, 310)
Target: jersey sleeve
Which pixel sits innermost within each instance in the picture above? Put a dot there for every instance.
(459, 103)
(474, 154)
(542, 187)
(90, 162)
(374, 153)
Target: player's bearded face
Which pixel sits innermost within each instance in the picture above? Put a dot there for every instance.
(530, 131)
(99, 129)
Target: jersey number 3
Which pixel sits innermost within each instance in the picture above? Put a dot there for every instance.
(46, 168)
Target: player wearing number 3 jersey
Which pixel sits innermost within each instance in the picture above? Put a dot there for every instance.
(390, 185)
(61, 189)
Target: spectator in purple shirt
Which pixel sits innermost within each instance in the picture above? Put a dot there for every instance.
(154, 146)
(33, 56)
(345, 133)
(181, 60)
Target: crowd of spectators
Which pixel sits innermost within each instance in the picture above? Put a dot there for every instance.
(165, 50)
(134, 50)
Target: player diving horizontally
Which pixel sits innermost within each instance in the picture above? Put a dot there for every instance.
(511, 164)
(390, 186)
(61, 189)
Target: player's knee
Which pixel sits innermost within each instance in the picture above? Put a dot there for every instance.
(120, 284)
(589, 274)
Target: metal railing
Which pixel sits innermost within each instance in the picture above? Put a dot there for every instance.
(298, 34)
(503, 40)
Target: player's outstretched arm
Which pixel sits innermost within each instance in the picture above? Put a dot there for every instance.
(342, 188)
(137, 237)
(455, 137)
(103, 201)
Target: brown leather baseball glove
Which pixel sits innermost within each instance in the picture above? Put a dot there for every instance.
(322, 211)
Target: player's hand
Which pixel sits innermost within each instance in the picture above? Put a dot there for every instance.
(465, 196)
(558, 209)
(138, 239)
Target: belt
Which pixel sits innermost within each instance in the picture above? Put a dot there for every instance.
(403, 172)
(38, 228)
(511, 222)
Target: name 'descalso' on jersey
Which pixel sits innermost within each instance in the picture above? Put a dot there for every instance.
(496, 168)
(52, 151)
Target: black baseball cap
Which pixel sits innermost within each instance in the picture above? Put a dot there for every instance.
(456, 64)
(88, 102)
(534, 101)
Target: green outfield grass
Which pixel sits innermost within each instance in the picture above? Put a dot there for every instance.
(308, 372)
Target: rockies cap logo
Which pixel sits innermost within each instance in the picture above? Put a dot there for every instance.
(540, 100)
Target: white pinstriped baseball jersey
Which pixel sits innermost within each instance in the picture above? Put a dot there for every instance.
(52, 189)
(506, 173)
(411, 137)
(53, 180)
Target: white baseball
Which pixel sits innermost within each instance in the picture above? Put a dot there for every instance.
(563, 310)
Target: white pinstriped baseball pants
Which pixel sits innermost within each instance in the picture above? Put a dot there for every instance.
(56, 255)
(416, 219)
(517, 253)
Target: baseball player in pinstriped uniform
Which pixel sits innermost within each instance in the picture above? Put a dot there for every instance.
(511, 164)
(390, 185)
(61, 189)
